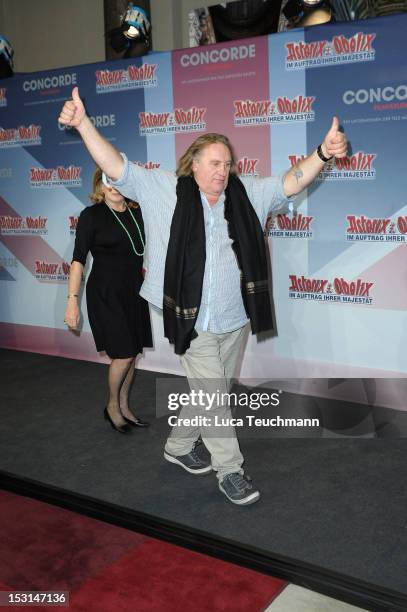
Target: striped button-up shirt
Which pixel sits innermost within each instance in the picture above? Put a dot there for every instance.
(222, 308)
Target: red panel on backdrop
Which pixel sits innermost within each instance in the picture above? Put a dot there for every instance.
(232, 72)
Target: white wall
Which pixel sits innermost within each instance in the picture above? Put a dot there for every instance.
(53, 33)
(49, 34)
(166, 16)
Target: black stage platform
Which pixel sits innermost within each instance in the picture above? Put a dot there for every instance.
(332, 516)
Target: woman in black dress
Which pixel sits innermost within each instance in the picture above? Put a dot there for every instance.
(112, 230)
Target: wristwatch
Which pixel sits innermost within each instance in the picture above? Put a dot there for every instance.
(322, 156)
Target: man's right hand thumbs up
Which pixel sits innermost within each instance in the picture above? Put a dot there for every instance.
(73, 111)
(335, 143)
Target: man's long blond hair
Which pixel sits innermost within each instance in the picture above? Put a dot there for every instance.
(193, 151)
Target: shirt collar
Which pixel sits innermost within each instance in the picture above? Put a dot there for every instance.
(218, 204)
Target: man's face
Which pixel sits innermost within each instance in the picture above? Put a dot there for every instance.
(211, 169)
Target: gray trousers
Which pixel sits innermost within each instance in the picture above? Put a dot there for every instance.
(210, 364)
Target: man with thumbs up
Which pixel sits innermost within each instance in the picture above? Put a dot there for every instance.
(107, 157)
(206, 267)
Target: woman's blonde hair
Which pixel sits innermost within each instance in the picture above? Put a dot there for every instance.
(193, 151)
(97, 196)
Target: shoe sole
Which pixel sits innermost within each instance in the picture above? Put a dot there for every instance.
(198, 472)
(250, 499)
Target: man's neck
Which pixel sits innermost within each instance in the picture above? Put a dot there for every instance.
(212, 199)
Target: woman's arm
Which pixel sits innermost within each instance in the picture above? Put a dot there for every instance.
(72, 312)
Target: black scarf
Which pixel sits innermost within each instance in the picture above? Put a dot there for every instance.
(186, 255)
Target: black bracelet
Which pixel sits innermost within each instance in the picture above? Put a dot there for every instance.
(322, 156)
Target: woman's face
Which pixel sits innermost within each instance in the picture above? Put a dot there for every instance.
(111, 195)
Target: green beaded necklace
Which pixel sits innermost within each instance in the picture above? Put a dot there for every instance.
(126, 230)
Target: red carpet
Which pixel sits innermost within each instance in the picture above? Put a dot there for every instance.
(107, 568)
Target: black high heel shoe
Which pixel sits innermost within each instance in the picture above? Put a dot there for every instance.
(120, 428)
(137, 423)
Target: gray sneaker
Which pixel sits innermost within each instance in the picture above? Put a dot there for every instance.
(239, 489)
(191, 462)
